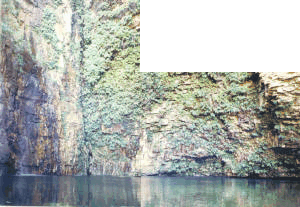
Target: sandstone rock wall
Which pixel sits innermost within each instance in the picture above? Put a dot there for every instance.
(41, 117)
(41, 125)
(282, 94)
(275, 121)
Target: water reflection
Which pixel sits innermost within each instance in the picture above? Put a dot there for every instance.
(146, 191)
(218, 191)
(67, 190)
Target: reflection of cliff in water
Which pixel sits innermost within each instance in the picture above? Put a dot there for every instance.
(217, 191)
(146, 191)
(78, 191)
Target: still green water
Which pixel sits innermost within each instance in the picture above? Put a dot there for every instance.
(146, 191)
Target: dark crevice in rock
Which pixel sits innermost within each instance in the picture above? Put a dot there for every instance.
(203, 159)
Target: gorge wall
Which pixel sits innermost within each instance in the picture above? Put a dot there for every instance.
(74, 102)
(40, 115)
(223, 128)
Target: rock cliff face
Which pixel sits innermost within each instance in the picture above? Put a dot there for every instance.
(72, 100)
(282, 99)
(282, 95)
(274, 122)
(40, 119)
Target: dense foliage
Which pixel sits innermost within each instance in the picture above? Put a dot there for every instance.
(114, 92)
(212, 99)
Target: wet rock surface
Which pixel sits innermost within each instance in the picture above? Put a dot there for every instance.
(34, 121)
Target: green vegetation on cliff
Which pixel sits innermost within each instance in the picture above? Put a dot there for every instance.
(169, 123)
(114, 92)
